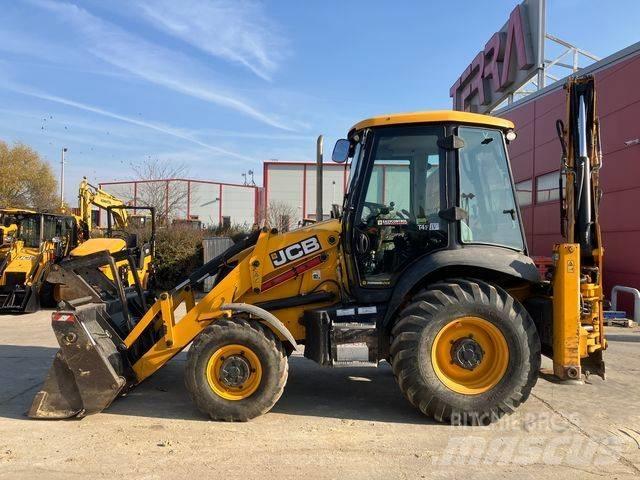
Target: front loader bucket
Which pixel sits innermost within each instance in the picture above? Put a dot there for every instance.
(86, 375)
(18, 299)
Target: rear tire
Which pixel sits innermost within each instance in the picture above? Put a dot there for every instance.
(236, 370)
(439, 344)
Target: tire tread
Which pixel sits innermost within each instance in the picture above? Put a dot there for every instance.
(239, 325)
(418, 313)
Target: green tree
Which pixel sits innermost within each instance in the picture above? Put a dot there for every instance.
(26, 181)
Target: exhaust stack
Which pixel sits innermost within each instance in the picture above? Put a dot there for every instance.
(319, 160)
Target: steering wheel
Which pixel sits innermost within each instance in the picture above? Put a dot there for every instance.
(374, 211)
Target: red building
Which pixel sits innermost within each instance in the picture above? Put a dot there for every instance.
(535, 157)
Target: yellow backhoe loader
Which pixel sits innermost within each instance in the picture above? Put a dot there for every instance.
(426, 269)
(31, 242)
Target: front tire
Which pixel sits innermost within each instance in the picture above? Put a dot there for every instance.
(236, 370)
(465, 352)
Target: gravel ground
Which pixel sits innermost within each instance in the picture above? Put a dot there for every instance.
(330, 423)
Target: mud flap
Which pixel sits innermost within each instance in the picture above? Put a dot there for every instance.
(86, 375)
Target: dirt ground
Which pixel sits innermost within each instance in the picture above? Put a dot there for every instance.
(330, 423)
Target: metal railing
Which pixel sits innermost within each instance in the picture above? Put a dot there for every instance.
(636, 300)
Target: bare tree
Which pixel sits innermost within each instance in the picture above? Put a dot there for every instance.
(280, 215)
(157, 190)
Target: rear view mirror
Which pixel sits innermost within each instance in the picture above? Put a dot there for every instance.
(341, 151)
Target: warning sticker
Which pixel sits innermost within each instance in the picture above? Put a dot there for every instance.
(367, 310)
(571, 266)
(429, 227)
(391, 222)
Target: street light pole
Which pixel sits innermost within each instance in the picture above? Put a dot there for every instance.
(64, 150)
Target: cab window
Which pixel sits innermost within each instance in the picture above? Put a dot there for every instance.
(399, 218)
(29, 231)
(486, 191)
(51, 227)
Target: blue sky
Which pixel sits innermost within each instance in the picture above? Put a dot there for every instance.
(224, 85)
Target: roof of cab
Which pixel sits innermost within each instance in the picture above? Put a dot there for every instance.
(16, 210)
(433, 116)
(26, 211)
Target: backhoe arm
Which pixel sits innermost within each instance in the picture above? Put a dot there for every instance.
(89, 195)
(578, 331)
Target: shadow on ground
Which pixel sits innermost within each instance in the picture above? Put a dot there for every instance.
(617, 337)
(345, 393)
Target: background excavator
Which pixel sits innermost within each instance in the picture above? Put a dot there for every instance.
(429, 273)
(33, 242)
(117, 236)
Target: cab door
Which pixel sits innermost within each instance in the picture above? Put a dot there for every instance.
(395, 204)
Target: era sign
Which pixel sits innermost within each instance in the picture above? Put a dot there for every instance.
(510, 59)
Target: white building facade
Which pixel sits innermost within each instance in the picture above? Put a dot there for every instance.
(293, 185)
(213, 203)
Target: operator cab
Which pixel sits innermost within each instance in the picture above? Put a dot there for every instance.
(34, 229)
(423, 183)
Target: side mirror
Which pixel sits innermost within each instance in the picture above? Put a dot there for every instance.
(341, 151)
(58, 247)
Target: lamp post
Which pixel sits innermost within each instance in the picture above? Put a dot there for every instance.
(64, 150)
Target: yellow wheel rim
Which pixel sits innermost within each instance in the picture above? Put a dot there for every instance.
(470, 355)
(234, 372)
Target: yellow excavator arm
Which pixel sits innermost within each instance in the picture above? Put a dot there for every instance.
(89, 195)
(578, 325)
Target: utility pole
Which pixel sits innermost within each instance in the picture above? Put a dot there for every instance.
(64, 150)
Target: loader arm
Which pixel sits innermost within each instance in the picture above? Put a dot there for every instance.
(142, 339)
(221, 301)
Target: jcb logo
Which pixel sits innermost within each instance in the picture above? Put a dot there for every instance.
(295, 251)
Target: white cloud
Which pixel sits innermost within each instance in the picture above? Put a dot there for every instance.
(151, 62)
(235, 30)
(162, 128)
(214, 132)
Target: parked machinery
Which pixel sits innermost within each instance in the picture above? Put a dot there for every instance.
(118, 235)
(31, 242)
